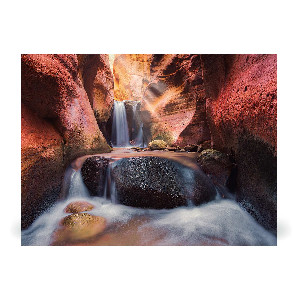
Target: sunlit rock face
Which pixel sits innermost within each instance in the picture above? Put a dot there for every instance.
(98, 82)
(176, 98)
(241, 106)
(131, 75)
(58, 125)
(170, 88)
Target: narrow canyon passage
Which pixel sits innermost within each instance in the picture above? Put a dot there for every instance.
(129, 198)
(138, 149)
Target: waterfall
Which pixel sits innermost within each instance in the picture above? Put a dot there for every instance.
(120, 135)
(110, 192)
(77, 187)
(139, 136)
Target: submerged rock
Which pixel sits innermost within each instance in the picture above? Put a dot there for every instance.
(78, 227)
(94, 173)
(78, 206)
(156, 182)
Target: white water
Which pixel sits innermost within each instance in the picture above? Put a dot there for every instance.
(139, 138)
(120, 135)
(110, 192)
(222, 219)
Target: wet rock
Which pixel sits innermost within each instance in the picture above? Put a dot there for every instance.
(77, 227)
(78, 206)
(241, 105)
(158, 145)
(191, 148)
(137, 149)
(217, 166)
(156, 182)
(174, 148)
(205, 145)
(94, 173)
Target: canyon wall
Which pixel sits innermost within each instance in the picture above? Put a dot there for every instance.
(98, 81)
(228, 100)
(171, 90)
(58, 125)
(241, 103)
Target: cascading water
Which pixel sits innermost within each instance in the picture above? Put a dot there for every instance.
(110, 192)
(120, 135)
(77, 187)
(138, 126)
(219, 222)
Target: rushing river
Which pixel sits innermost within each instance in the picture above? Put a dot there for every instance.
(219, 222)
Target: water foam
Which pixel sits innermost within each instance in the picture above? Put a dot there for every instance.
(223, 221)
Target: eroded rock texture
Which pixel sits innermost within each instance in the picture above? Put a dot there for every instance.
(176, 98)
(241, 93)
(97, 79)
(58, 125)
(171, 91)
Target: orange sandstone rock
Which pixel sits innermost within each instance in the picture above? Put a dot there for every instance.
(77, 227)
(78, 206)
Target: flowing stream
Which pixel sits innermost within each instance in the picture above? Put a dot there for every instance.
(219, 222)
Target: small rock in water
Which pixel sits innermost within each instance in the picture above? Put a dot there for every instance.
(78, 206)
(77, 227)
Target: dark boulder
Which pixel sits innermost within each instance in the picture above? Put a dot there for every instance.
(156, 182)
(218, 167)
(94, 173)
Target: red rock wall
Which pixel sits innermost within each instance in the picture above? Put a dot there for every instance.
(171, 90)
(241, 93)
(98, 82)
(58, 125)
(242, 98)
(178, 97)
(131, 73)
